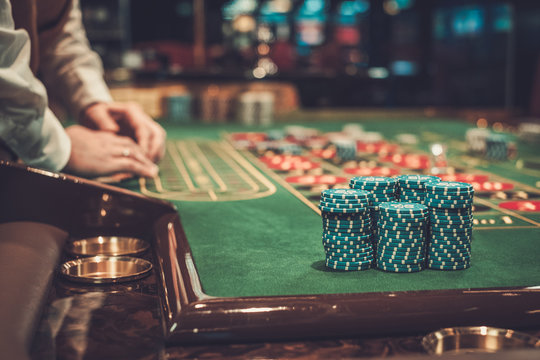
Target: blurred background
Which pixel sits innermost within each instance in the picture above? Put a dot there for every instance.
(324, 53)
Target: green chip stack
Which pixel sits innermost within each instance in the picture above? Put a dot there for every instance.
(401, 237)
(347, 236)
(345, 149)
(411, 188)
(451, 223)
(382, 189)
(497, 147)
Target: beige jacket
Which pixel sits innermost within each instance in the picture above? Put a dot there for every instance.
(46, 40)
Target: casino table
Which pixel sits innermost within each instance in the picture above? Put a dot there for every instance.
(236, 243)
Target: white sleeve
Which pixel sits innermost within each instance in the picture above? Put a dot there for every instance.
(27, 127)
(70, 69)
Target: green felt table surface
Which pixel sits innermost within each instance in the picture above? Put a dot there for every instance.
(272, 245)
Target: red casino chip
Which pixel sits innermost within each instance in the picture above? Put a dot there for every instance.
(467, 178)
(276, 159)
(377, 148)
(376, 171)
(491, 186)
(249, 136)
(408, 161)
(317, 180)
(324, 153)
(289, 162)
(294, 140)
(522, 205)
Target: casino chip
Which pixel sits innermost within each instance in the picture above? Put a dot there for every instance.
(289, 162)
(408, 161)
(375, 171)
(407, 139)
(452, 188)
(347, 229)
(381, 189)
(344, 194)
(476, 140)
(450, 225)
(401, 238)
(311, 180)
(411, 188)
(345, 149)
(497, 146)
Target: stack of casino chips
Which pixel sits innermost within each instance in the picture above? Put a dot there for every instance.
(300, 133)
(529, 132)
(451, 222)
(382, 189)
(496, 147)
(476, 139)
(275, 134)
(401, 237)
(345, 149)
(411, 188)
(346, 229)
(279, 146)
(290, 148)
(179, 107)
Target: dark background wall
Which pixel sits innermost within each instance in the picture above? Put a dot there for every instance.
(460, 53)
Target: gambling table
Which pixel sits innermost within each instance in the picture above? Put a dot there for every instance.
(237, 254)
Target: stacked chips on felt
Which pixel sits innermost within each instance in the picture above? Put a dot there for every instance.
(476, 140)
(497, 147)
(275, 134)
(401, 237)
(451, 221)
(278, 146)
(411, 188)
(345, 149)
(381, 189)
(346, 229)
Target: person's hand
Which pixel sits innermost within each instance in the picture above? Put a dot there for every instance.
(127, 119)
(100, 153)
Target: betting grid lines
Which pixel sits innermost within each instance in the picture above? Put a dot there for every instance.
(202, 170)
(488, 215)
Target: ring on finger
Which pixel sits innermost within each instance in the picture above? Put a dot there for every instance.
(126, 152)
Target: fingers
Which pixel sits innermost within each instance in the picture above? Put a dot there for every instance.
(130, 157)
(97, 117)
(134, 165)
(156, 142)
(148, 133)
(129, 119)
(100, 153)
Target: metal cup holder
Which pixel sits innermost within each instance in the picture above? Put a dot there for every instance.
(106, 260)
(105, 269)
(476, 339)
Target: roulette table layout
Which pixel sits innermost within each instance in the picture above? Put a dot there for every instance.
(234, 223)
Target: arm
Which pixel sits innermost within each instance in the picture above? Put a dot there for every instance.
(26, 126)
(36, 136)
(70, 69)
(75, 73)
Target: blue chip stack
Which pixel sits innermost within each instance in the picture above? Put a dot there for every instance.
(179, 108)
(381, 189)
(496, 147)
(401, 237)
(346, 229)
(451, 222)
(275, 134)
(411, 188)
(345, 149)
(285, 147)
